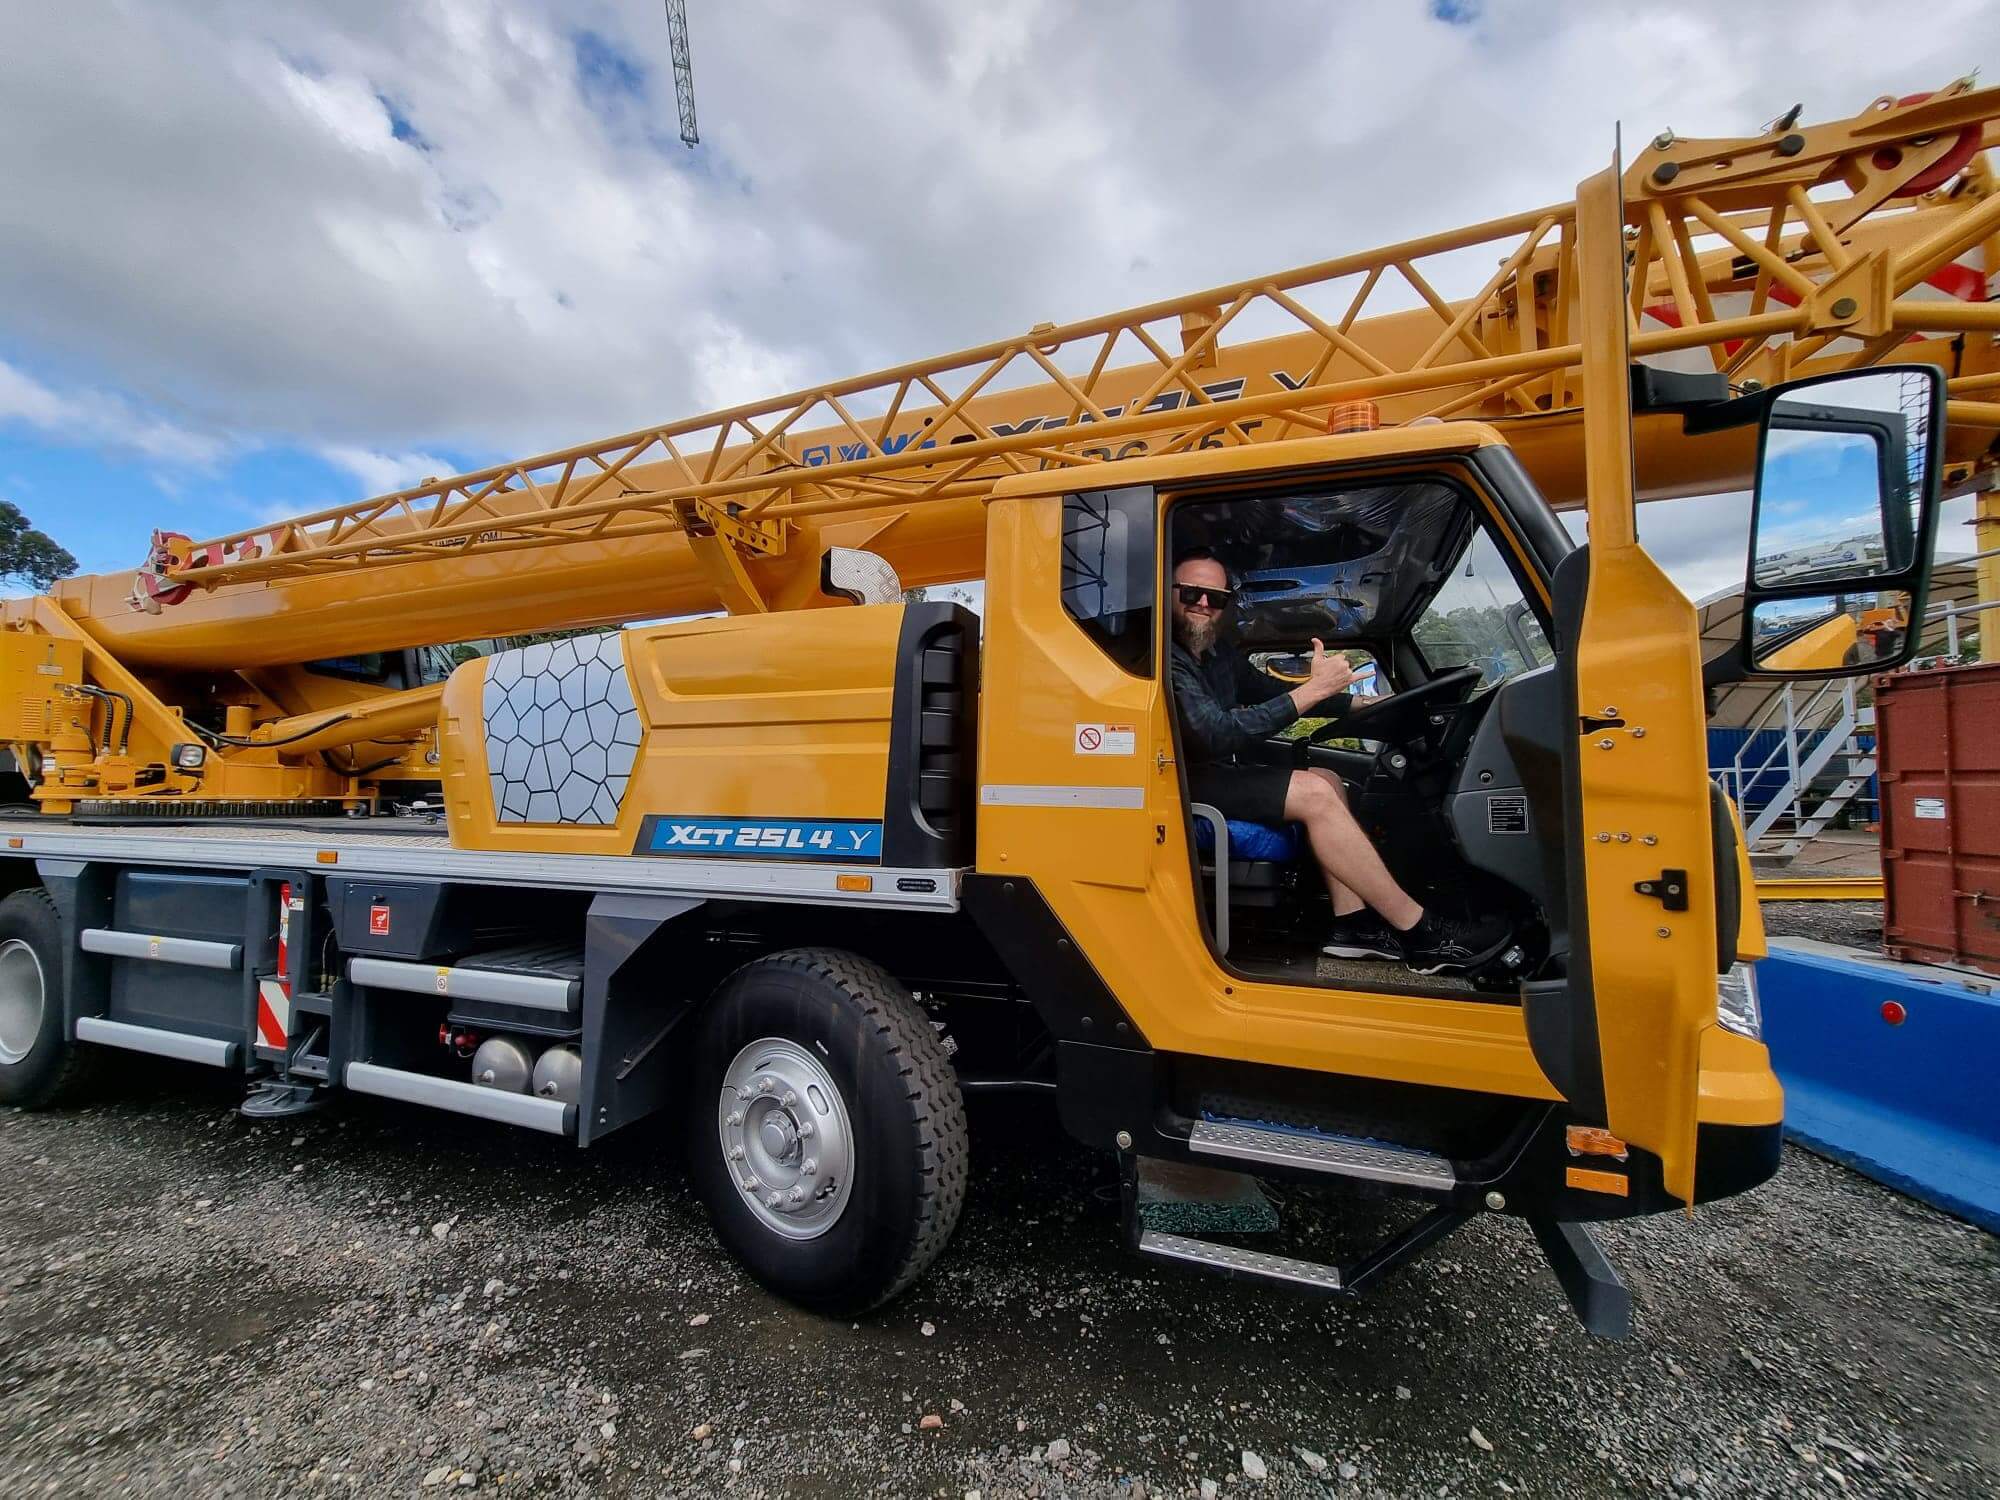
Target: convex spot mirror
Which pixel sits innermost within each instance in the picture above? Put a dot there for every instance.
(1840, 532)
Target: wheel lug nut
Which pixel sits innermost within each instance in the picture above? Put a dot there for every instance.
(736, 1117)
(736, 1153)
(743, 1095)
(805, 1128)
(795, 1196)
(790, 1099)
(809, 1166)
(774, 1200)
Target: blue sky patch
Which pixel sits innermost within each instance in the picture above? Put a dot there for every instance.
(103, 505)
(605, 75)
(400, 126)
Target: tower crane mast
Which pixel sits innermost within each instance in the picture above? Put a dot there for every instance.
(683, 60)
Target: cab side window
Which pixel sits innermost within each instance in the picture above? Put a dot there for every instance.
(1108, 570)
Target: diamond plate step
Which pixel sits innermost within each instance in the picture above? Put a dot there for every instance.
(1337, 1155)
(1232, 1260)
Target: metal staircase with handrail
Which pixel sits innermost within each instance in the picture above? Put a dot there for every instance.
(1819, 728)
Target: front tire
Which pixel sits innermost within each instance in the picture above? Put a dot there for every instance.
(39, 1065)
(825, 1129)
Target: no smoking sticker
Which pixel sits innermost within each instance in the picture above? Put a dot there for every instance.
(1106, 739)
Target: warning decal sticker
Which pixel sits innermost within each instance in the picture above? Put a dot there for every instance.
(1106, 739)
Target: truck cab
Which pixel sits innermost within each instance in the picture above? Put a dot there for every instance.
(1533, 747)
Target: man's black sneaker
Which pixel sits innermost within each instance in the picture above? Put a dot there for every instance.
(1362, 934)
(1439, 944)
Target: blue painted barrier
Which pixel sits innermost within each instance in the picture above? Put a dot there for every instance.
(1915, 1105)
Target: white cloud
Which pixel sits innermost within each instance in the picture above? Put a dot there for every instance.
(95, 419)
(383, 472)
(391, 225)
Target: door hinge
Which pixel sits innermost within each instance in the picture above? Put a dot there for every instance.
(1669, 888)
(1161, 760)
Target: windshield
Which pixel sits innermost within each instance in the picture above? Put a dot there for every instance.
(1339, 564)
(1478, 618)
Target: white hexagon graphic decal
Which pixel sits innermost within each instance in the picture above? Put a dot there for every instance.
(562, 731)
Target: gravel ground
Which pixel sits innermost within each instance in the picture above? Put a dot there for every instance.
(1857, 924)
(379, 1301)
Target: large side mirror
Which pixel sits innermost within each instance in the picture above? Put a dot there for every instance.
(1841, 526)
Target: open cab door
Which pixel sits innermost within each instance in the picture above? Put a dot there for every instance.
(1842, 530)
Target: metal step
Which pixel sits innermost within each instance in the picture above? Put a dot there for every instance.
(1231, 1260)
(1336, 1155)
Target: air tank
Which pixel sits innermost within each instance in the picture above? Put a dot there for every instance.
(559, 1075)
(503, 1063)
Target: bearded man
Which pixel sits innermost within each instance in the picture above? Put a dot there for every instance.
(1225, 706)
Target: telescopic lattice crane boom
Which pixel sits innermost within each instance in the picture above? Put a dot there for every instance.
(1805, 249)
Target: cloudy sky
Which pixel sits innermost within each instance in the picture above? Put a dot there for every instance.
(258, 256)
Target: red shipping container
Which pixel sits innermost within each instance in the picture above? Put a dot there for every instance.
(1938, 756)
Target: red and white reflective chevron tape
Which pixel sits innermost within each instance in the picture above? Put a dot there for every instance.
(274, 996)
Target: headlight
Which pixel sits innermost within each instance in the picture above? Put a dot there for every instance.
(1736, 1002)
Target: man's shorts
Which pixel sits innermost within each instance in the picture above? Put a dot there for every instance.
(1250, 794)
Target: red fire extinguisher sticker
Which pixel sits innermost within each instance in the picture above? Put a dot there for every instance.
(378, 921)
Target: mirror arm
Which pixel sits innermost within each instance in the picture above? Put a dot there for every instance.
(1742, 411)
(1677, 390)
(1722, 670)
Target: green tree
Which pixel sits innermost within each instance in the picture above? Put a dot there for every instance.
(27, 555)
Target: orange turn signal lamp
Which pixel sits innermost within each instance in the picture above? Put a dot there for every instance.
(1589, 1140)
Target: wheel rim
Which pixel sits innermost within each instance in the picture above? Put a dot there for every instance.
(786, 1139)
(21, 992)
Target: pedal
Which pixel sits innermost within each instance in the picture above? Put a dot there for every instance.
(1236, 1262)
(1320, 1151)
(274, 1099)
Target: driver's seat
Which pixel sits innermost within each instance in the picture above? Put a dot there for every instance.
(1248, 862)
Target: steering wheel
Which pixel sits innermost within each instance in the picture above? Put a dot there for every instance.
(1399, 717)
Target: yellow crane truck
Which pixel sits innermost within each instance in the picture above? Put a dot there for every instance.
(374, 800)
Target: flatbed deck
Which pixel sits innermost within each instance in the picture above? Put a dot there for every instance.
(395, 847)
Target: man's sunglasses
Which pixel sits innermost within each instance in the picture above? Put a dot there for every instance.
(1192, 594)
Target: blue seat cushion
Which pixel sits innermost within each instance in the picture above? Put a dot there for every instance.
(1251, 841)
